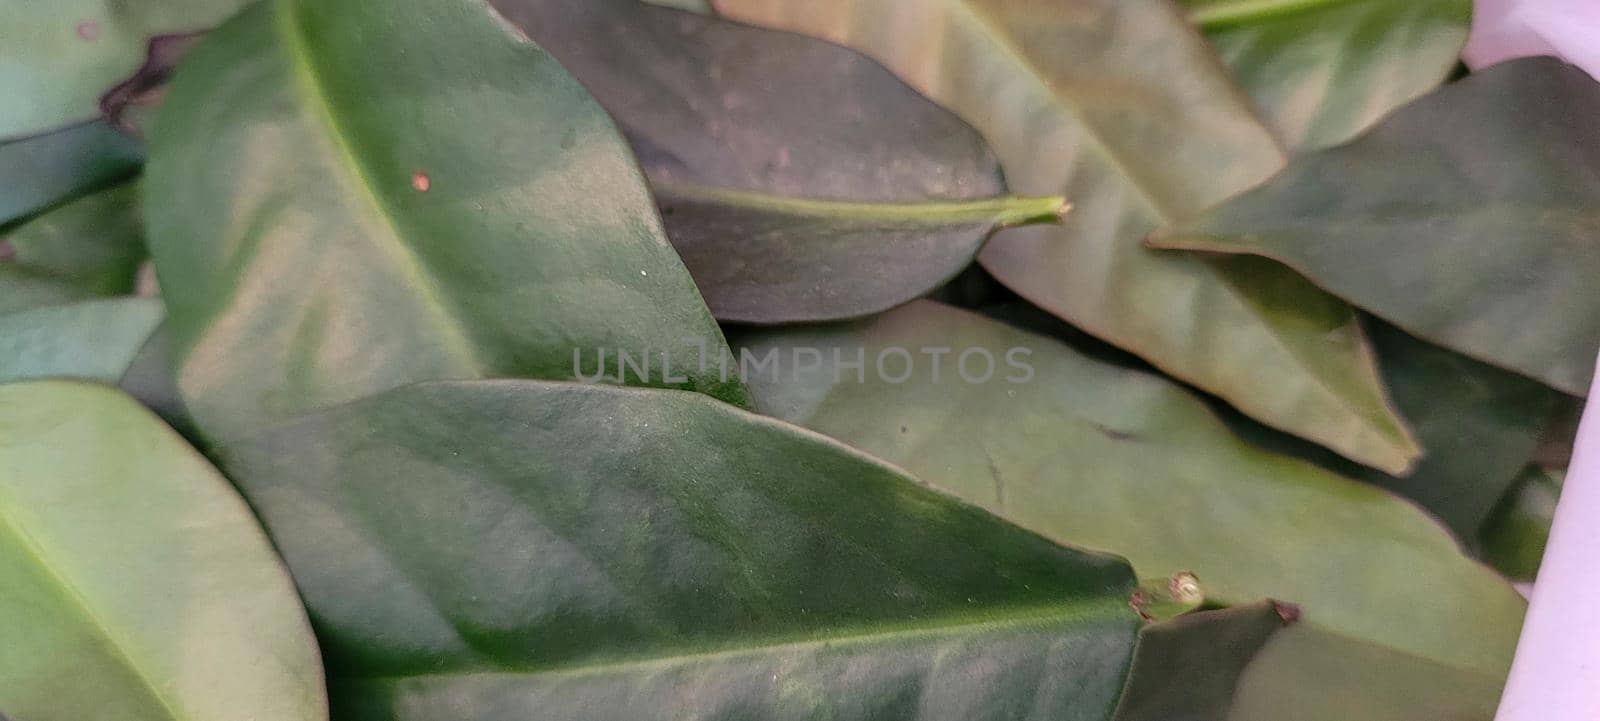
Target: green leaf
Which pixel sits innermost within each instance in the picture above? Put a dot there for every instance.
(41, 171)
(1514, 536)
(799, 180)
(1311, 674)
(133, 581)
(518, 549)
(1187, 669)
(1119, 106)
(1118, 460)
(57, 58)
(91, 340)
(699, 6)
(1479, 425)
(59, 317)
(94, 245)
(1477, 207)
(1324, 70)
(65, 311)
(348, 197)
(772, 259)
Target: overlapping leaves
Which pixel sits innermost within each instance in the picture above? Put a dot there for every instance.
(799, 180)
(349, 198)
(1107, 458)
(61, 57)
(135, 581)
(586, 552)
(1478, 203)
(1121, 107)
(1323, 71)
(320, 237)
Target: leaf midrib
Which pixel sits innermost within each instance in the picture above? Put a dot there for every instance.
(35, 551)
(1404, 443)
(407, 260)
(1066, 105)
(1110, 157)
(999, 211)
(1077, 610)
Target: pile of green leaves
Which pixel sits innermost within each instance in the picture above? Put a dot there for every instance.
(301, 302)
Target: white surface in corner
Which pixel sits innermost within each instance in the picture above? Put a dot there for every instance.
(1505, 29)
(1556, 676)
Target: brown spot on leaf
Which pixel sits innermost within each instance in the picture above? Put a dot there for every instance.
(1289, 612)
(147, 84)
(1114, 434)
(420, 182)
(1140, 604)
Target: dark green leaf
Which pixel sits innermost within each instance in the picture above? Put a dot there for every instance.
(57, 58)
(95, 244)
(1187, 669)
(335, 212)
(149, 379)
(1467, 218)
(1514, 536)
(799, 180)
(1119, 106)
(520, 549)
(1119, 460)
(1478, 425)
(1324, 70)
(41, 171)
(134, 583)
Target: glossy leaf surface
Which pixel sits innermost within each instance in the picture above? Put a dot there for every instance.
(1119, 106)
(94, 245)
(1321, 71)
(518, 549)
(1477, 205)
(1118, 460)
(799, 180)
(1187, 669)
(44, 170)
(57, 58)
(134, 583)
(333, 214)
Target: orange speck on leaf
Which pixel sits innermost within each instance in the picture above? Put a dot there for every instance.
(421, 182)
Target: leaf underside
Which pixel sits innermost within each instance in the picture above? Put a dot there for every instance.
(1121, 108)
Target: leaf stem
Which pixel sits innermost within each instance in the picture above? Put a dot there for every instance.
(1003, 211)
